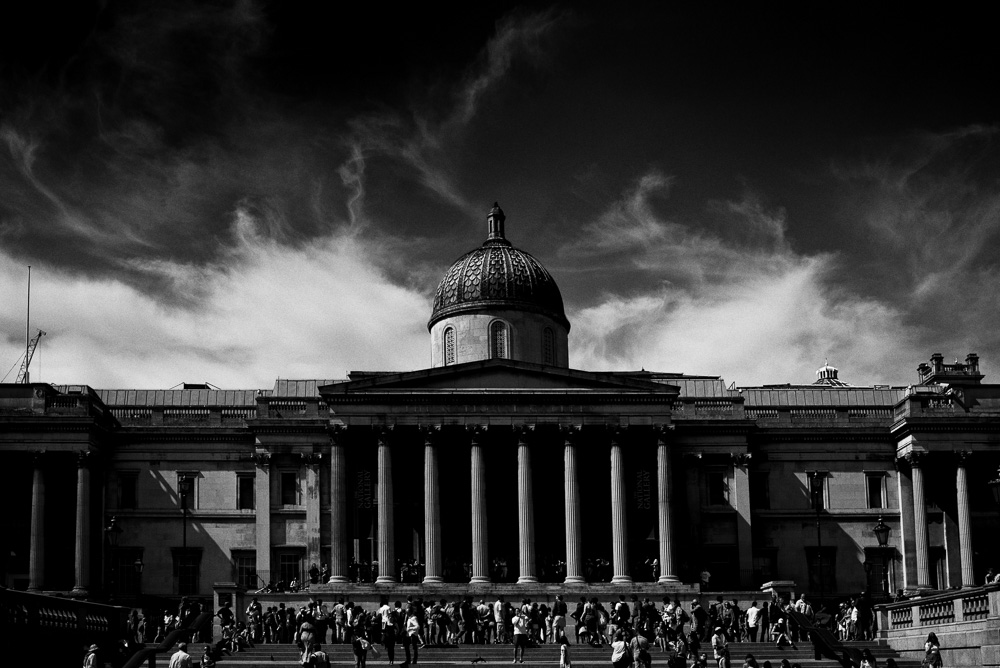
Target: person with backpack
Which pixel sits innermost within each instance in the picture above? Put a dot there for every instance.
(621, 653)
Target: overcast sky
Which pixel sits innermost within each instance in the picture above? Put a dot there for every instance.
(233, 192)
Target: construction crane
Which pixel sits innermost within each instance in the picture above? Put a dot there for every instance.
(29, 352)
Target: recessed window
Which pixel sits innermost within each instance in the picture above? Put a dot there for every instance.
(817, 490)
(548, 346)
(244, 491)
(875, 488)
(128, 482)
(289, 488)
(822, 563)
(498, 340)
(187, 569)
(449, 346)
(717, 483)
(245, 568)
(760, 490)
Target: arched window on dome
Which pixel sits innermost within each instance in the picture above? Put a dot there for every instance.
(548, 346)
(499, 344)
(449, 345)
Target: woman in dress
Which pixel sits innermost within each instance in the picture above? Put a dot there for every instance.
(932, 652)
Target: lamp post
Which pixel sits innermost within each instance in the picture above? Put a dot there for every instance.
(816, 491)
(995, 488)
(881, 531)
(112, 533)
(138, 566)
(186, 486)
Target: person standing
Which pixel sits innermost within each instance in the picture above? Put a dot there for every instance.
(932, 652)
(720, 647)
(753, 621)
(558, 619)
(520, 636)
(412, 636)
(181, 658)
(90, 660)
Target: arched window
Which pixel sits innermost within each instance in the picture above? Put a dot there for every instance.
(548, 346)
(498, 340)
(449, 345)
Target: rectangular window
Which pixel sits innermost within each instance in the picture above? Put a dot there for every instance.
(817, 489)
(288, 566)
(187, 488)
(245, 569)
(717, 482)
(875, 486)
(289, 488)
(244, 491)
(124, 572)
(128, 482)
(822, 569)
(760, 490)
(187, 570)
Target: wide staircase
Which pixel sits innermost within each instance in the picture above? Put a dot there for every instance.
(543, 655)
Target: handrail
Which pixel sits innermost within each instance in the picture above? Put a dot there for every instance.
(146, 653)
(942, 596)
(825, 643)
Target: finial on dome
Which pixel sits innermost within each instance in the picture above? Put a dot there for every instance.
(495, 220)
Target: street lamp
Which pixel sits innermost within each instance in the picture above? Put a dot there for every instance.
(186, 486)
(881, 531)
(816, 491)
(113, 533)
(138, 566)
(995, 488)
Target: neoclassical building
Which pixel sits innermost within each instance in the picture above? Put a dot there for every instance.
(502, 463)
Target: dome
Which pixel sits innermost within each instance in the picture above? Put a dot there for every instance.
(497, 276)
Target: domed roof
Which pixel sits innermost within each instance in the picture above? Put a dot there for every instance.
(497, 275)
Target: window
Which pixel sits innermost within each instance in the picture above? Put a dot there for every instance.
(875, 488)
(187, 488)
(822, 568)
(289, 488)
(128, 482)
(498, 340)
(817, 489)
(245, 569)
(760, 490)
(244, 491)
(124, 579)
(548, 347)
(288, 566)
(717, 484)
(449, 345)
(187, 569)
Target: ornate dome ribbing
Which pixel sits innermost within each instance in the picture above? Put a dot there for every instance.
(497, 275)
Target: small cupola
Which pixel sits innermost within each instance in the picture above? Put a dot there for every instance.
(827, 375)
(495, 220)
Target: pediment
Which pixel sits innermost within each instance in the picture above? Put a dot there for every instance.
(499, 375)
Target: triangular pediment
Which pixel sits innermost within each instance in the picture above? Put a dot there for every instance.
(497, 374)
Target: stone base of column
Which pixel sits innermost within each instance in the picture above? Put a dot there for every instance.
(338, 579)
(527, 579)
(479, 579)
(668, 579)
(574, 580)
(621, 579)
(433, 580)
(385, 580)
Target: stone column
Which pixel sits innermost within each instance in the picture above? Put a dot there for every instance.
(525, 510)
(664, 503)
(920, 521)
(907, 545)
(36, 556)
(740, 500)
(386, 529)
(480, 541)
(339, 563)
(574, 525)
(432, 511)
(964, 520)
(82, 545)
(262, 505)
(312, 462)
(619, 519)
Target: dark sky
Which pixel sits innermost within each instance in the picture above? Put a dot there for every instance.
(235, 191)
